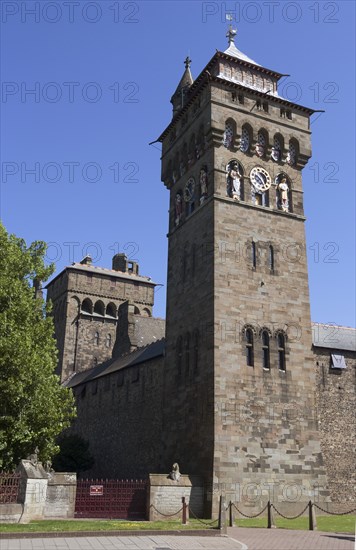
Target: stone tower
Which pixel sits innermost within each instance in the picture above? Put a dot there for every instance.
(239, 379)
(86, 301)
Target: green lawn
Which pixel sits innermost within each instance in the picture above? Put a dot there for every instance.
(99, 525)
(337, 524)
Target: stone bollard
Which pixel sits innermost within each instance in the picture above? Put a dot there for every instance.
(222, 516)
(312, 517)
(270, 519)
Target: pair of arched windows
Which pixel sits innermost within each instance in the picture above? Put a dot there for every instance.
(265, 343)
(108, 339)
(187, 348)
(271, 256)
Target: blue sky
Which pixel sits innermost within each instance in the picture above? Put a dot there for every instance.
(103, 74)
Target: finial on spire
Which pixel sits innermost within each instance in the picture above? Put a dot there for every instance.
(231, 33)
(187, 62)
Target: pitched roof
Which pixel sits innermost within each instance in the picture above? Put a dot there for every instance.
(234, 52)
(141, 355)
(334, 337)
(76, 266)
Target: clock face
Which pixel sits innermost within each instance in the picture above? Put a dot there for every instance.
(260, 179)
(189, 190)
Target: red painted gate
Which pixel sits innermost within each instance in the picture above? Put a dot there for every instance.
(111, 498)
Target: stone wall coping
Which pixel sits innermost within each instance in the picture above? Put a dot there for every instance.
(29, 470)
(62, 478)
(184, 481)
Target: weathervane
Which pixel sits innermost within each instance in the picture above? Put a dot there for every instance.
(231, 33)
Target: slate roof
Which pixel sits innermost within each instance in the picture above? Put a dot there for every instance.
(76, 266)
(234, 52)
(334, 337)
(141, 355)
(149, 329)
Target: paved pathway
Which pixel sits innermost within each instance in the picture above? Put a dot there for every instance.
(151, 542)
(237, 539)
(286, 539)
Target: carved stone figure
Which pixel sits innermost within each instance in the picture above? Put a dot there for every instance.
(283, 194)
(178, 208)
(33, 457)
(203, 180)
(175, 473)
(233, 181)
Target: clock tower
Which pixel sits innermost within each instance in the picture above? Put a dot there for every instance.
(239, 405)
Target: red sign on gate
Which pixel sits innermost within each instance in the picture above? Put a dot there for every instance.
(96, 490)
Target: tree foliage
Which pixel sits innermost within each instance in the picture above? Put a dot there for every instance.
(74, 454)
(34, 408)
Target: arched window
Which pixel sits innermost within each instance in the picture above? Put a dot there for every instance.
(111, 310)
(292, 153)
(271, 257)
(249, 347)
(261, 144)
(277, 148)
(96, 338)
(254, 254)
(265, 349)
(99, 308)
(228, 137)
(179, 353)
(87, 306)
(108, 340)
(281, 345)
(245, 140)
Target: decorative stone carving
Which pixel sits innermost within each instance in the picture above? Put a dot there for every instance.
(233, 180)
(33, 457)
(175, 473)
(178, 208)
(282, 193)
(203, 180)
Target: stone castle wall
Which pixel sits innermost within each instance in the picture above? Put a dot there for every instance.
(121, 416)
(335, 407)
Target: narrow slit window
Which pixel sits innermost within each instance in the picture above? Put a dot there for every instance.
(265, 350)
(271, 258)
(281, 341)
(253, 255)
(249, 347)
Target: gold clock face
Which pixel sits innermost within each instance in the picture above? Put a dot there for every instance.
(260, 179)
(189, 190)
